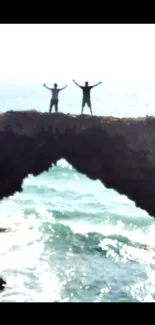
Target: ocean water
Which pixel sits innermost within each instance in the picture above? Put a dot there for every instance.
(70, 238)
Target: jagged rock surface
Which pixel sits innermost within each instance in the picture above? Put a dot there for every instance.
(119, 152)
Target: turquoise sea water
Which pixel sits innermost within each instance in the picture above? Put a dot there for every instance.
(69, 238)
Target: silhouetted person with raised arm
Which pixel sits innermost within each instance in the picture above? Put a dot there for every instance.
(86, 95)
(2, 284)
(55, 99)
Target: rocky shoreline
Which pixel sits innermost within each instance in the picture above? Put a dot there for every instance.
(118, 152)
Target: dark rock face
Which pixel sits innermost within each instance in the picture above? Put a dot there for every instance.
(119, 152)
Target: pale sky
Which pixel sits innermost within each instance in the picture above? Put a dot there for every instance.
(96, 52)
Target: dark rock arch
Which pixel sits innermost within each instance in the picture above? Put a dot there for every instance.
(119, 152)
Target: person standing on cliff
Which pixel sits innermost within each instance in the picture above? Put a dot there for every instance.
(86, 95)
(54, 100)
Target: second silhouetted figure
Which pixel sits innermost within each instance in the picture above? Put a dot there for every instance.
(86, 95)
(54, 99)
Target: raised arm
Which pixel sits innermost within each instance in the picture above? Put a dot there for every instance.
(62, 88)
(44, 85)
(96, 84)
(77, 84)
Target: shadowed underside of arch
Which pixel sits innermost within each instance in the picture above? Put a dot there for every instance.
(118, 152)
